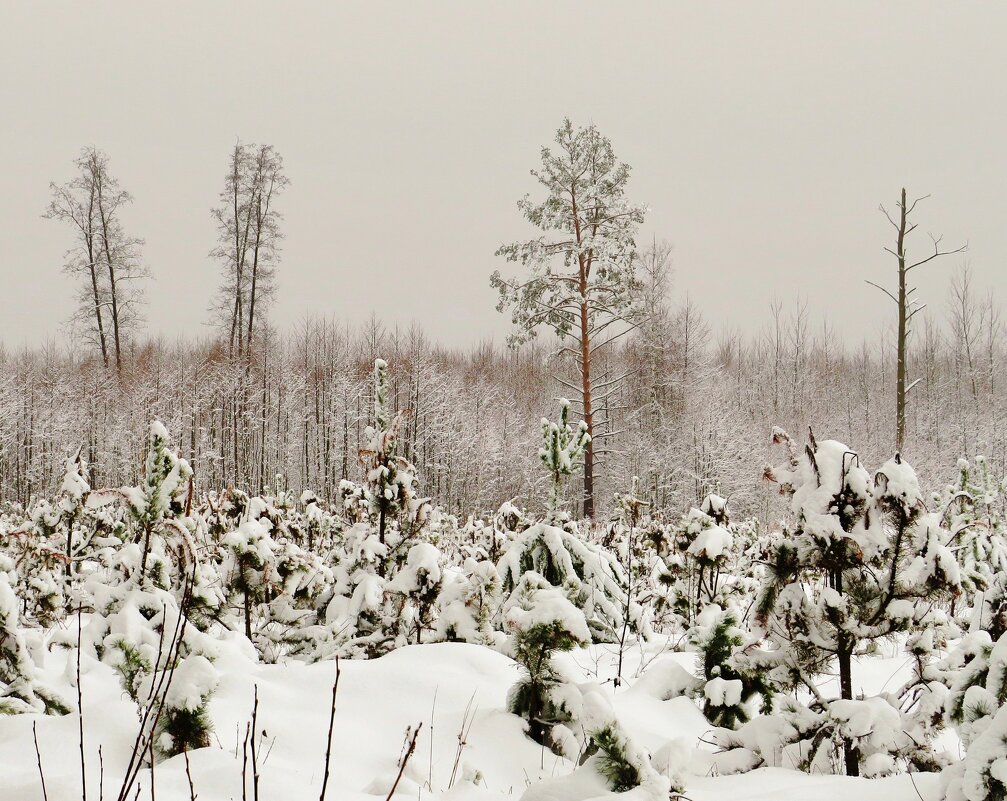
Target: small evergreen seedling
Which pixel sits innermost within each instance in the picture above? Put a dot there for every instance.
(542, 622)
(562, 449)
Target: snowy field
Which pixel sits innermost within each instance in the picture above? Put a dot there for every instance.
(377, 700)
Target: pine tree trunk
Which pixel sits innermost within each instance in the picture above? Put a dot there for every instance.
(851, 755)
(585, 378)
(844, 654)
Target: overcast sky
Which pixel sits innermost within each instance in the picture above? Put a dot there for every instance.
(762, 137)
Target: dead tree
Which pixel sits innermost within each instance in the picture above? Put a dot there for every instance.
(908, 307)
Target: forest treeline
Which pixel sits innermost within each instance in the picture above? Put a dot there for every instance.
(695, 406)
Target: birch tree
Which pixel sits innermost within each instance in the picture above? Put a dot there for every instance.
(248, 241)
(104, 256)
(580, 277)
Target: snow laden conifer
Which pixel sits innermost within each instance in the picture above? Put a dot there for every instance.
(590, 574)
(250, 569)
(372, 609)
(729, 684)
(390, 479)
(153, 581)
(468, 603)
(862, 562)
(562, 450)
(157, 505)
(553, 549)
(20, 689)
(542, 622)
(698, 566)
(47, 545)
(975, 672)
(414, 591)
(971, 512)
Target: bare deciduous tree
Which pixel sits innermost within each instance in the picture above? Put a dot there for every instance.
(248, 242)
(104, 255)
(908, 307)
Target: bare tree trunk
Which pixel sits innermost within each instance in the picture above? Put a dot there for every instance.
(113, 295)
(92, 265)
(900, 378)
(905, 304)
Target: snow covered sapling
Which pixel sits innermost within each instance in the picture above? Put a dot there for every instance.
(704, 546)
(163, 497)
(861, 563)
(417, 585)
(391, 479)
(73, 493)
(467, 604)
(976, 670)
(628, 508)
(590, 575)
(970, 511)
(541, 621)
(251, 568)
(729, 684)
(20, 690)
(561, 452)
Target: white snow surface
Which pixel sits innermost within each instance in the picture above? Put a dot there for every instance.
(377, 700)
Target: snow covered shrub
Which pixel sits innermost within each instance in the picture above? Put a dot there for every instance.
(291, 623)
(152, 575)
(975, 673)
(468, 603)
(250, 569)
(20, 689)
(729, 684)
(316, 525)
(862, 562)
(541, 621)
(390, 489)
(415, 589)
(40, 562)
(589, 573)
(158, 504)
(46, 546)
(704, 545)
(970, 509)
(610, 761)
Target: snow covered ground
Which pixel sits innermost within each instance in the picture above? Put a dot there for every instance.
(377, 701)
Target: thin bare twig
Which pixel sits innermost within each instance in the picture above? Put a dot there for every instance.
(188, 775)
(80, 710)
(38, 759)
(405, 759)
(332, 723)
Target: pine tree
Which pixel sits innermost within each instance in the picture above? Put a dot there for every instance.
(390, 478)
(852, 570)
(20, 689)
(582, 280)
(542, 621)
(468, 603)
(561, 452)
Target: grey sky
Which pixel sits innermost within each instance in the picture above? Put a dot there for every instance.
(762, 136)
